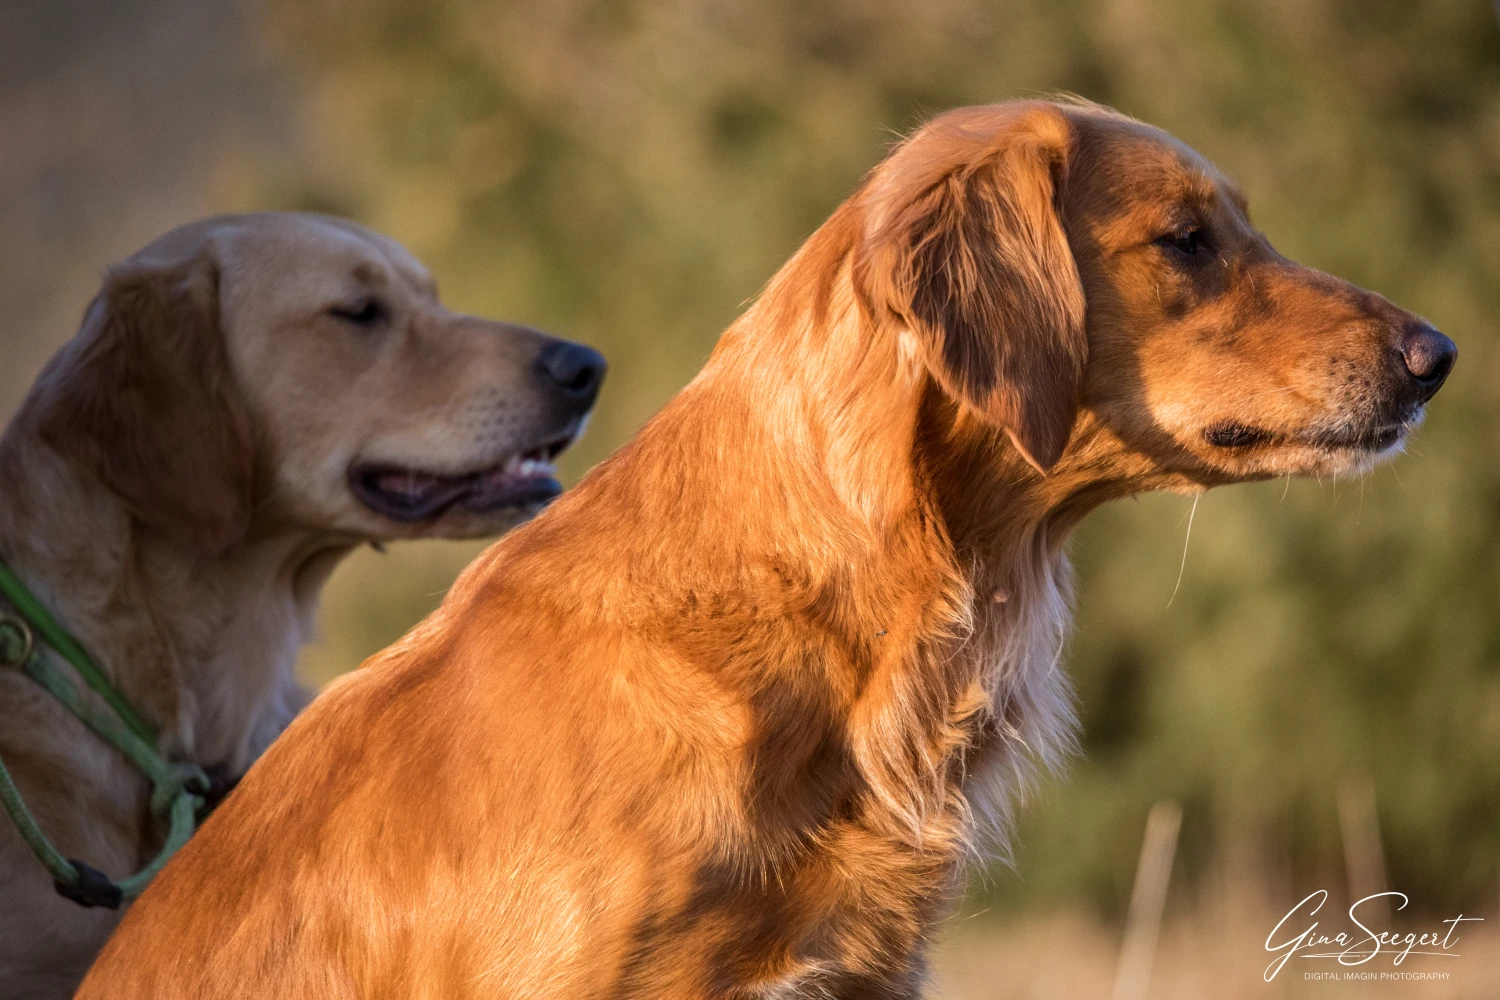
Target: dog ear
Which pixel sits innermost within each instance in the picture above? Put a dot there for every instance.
(968, 251)
(144, 400)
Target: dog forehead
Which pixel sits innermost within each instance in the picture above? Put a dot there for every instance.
(1122, 170)
(303, 242)
(294, 249)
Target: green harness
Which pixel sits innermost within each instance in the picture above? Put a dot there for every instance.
(180, 792)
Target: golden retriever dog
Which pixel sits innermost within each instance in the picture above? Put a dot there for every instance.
(248, 399)
(728, 719)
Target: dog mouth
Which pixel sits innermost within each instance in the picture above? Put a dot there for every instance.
(1374, 437)
(409, 494)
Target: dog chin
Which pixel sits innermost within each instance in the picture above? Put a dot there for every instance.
(1334, 461)
(457, 524)
(1356, 453)
(1357, 462)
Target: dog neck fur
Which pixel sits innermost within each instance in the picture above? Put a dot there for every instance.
(819, 473)
(204, 645)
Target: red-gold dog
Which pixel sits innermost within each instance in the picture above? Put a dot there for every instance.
(726, 719)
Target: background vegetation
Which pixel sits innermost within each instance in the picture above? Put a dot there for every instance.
(629, 173)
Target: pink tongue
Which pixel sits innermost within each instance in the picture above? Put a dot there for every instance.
(510, 474)
(407, 484)
(495, 477)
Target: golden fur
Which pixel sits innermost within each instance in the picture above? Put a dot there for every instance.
(729, 717)
(176, 488)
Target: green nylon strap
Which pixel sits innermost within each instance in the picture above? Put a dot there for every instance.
(108, 726)
(183, 817)
(176, 787)
(59, 866)
(54, 635)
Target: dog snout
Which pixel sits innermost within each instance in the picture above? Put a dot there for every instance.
(572, 371)
(1428, 356)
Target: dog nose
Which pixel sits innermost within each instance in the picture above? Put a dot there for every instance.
(575, 370)
(1429, 357)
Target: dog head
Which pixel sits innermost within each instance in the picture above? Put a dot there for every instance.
(1059, 259)
(295, 370)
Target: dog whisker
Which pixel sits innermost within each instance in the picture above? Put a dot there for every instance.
(1185, 539)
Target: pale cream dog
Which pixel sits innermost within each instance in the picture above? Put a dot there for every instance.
(248, 399)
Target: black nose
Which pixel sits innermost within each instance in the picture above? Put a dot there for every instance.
(1429, 357)
(575, 370)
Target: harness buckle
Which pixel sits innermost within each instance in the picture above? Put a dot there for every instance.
(16, 641)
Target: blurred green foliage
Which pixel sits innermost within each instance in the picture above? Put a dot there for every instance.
(629, 173)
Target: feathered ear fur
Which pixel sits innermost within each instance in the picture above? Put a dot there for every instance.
(144, 400)
(966, 248)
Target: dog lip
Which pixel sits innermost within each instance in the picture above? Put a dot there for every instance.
(1232, 434)
(1372, 436)
(409, 494)
(1377, 438)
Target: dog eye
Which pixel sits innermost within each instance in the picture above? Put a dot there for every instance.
(365, 312)
(1188, 240)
